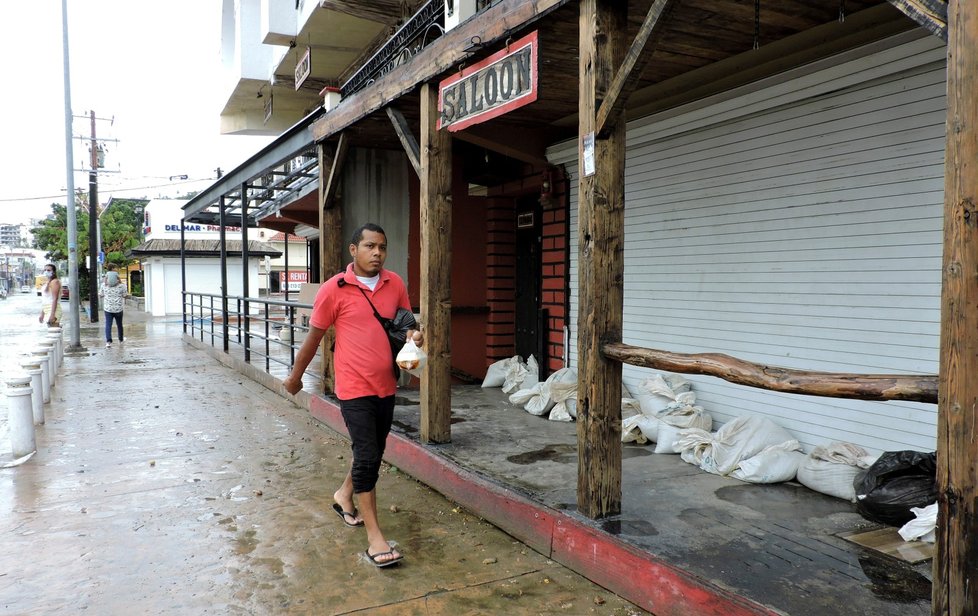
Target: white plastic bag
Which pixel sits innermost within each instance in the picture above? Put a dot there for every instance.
(831, 469)
(411, 358)
(923, 526)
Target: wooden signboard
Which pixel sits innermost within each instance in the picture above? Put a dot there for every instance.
(498, 84)
(303, 67)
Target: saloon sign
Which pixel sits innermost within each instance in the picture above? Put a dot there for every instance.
(502, 82)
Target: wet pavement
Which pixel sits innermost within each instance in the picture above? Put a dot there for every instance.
(166, 483)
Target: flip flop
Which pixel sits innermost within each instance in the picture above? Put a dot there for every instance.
(382, 563)
(339, 511)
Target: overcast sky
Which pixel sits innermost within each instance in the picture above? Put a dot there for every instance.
(153, 67)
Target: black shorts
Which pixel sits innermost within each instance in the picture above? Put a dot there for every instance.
(368, 420)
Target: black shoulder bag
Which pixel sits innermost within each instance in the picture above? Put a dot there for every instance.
(396, 328)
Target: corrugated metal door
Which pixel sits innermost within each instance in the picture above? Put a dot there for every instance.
(797, 223)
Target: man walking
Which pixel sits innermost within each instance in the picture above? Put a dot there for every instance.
(365, 381)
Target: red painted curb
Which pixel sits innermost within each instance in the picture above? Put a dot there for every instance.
(638, 576)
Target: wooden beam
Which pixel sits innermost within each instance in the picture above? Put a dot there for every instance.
(916, 387)
(524, 143)
(404, 133)
(601, 230)
(436, 271)
(955, 586)
(494, 24)
(638, 56)
(929, 14)
(335, 169)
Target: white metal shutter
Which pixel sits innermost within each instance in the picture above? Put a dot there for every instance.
(797, 224)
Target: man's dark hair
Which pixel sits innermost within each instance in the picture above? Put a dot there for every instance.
(358, 234)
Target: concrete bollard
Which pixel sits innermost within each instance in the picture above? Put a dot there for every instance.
(20, 418)
(48, 346)
(41, 355)
(32, 367)
(54, 334)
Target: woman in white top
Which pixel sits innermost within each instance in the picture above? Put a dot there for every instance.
(50, 295)
(113, 293)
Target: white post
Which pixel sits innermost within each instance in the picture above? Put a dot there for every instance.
(48, 347)
(20, 418)
(41, 355)
(56, 339)
(32, 367)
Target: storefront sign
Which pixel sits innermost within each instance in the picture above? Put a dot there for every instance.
(303, 67)
(296, 280)
(504, 81)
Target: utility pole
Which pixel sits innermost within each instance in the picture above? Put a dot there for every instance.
(93, 247)
(72, 224)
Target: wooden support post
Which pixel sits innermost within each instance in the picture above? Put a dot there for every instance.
(408, 142)
(955, 586)
(331, 244)
(601, 228)
(436, 268)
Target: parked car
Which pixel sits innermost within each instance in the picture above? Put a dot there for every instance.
(25, 288)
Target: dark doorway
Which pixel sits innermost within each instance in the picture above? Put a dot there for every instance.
(529, 318)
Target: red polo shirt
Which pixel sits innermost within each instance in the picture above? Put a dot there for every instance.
(362, 355)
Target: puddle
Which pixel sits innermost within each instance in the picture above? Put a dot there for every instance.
(402, 401)
(403, 427)
(895, 582)
(633, 528)
(456, 420)
(562, 454)
(783, 500)
(635, 452)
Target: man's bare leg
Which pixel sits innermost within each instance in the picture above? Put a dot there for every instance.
(375, 538)
(344, 498)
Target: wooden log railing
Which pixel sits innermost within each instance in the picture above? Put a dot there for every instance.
(915, 387)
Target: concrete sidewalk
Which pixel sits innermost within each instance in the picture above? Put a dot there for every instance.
(166, 483)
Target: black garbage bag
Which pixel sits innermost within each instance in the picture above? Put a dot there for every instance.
(897, 481)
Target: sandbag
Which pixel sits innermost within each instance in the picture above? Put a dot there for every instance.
(658, 391)
(521, 397)
(515, 375)
(897, 482)
(669, 437)
(496, 374)
(635, 429)
(739, 439)
(563, 392)
(774, 464)
(831, 469)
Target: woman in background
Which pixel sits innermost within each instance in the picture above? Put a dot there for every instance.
(113, 293)
(50, 296)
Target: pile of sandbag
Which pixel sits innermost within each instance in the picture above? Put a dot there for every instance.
(662, 404)
(750, 448)
(512, 374)
(556, 397)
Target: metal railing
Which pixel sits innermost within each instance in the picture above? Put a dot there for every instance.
(269, 329)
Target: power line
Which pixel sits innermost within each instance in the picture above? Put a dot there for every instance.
(109, 190)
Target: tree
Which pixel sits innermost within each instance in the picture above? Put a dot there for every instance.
(121, 224)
